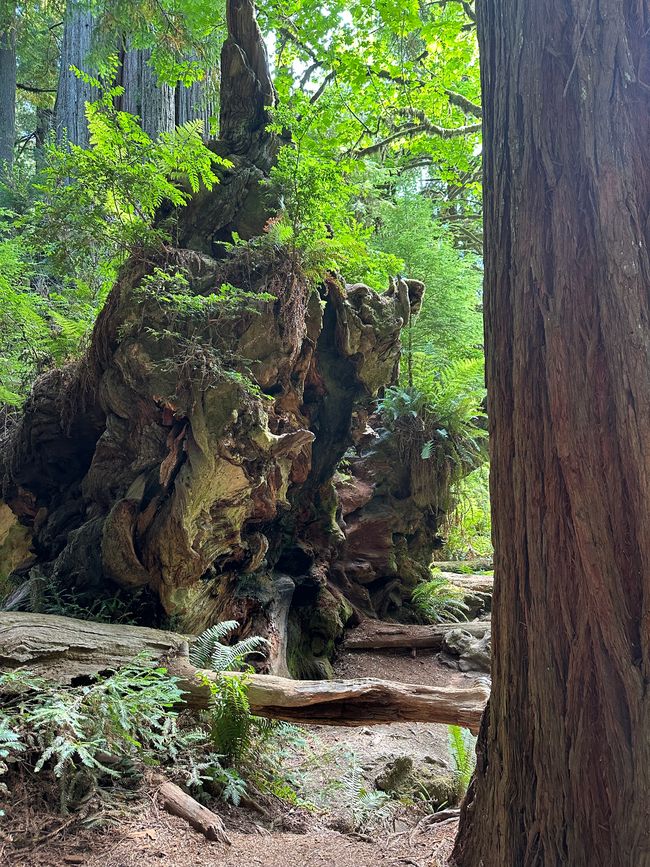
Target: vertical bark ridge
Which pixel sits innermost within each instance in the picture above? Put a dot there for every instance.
(564, 754)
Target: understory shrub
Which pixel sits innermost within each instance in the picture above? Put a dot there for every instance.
(462, 746)
(439, 601)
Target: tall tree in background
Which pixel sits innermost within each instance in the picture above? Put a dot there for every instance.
(73, 93)
(7, 83)
(564, 755)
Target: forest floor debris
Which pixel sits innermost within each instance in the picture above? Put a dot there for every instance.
(340, 819)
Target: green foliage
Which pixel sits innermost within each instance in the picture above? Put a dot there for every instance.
(440, 417)
(377, 76)
(73, 732)
(467, 529)
(439, 601)
(183, 37)
(364, 801)
(208, 651)
(318, 222)
(110, 192)
(78, 221)
(462, 748)
(234, 729)
(449, 326)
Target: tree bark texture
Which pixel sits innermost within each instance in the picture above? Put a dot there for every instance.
(7, 86)
(73, 93)
(67, 650)
(152, 101)
(563, 767)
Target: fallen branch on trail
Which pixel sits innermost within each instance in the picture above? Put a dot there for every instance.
(379, 635)
(179, 803)
(64, 649)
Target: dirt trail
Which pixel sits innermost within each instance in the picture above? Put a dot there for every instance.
(292, 836)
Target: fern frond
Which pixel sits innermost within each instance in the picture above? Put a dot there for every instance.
(202, 648)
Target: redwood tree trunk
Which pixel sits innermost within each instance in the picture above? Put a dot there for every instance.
(7, 85)
(144, 95)
(73, 93)
(564, 755)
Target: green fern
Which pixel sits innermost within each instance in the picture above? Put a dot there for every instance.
(234, 730)
(68, 731)
(362, 801)
(462, 749)
(209, 652)
(438, 600)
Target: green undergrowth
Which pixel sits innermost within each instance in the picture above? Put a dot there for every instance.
(462, 746)
(438, 601)
(97, 739)
(467, 528)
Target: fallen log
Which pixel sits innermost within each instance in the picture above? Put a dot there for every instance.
(66, 650)
(380, 635)
(470, 583)
(179, 803)
(463, 567)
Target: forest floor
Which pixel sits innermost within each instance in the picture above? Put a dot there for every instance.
(340, 821)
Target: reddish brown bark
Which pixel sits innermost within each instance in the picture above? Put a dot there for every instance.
(564, 754)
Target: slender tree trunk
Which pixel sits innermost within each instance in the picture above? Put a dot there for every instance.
(72, 93)
(43, 127)
(563, 768)
(7, 85)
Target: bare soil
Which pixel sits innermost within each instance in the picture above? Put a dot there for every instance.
(271, 833)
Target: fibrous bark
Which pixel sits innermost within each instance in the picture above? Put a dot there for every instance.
(7, 85)
(563, 754)
(73, 93)
(153, 101)
(67, 650)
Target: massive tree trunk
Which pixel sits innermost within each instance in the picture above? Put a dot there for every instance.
(7, 85)
(200, 101)
(73, 93)
(564, 755)
(154, 102)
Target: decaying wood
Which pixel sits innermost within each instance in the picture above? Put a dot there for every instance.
(470, 583)
(461, 567)
(179, 803)
(64, 649)
(379, 635)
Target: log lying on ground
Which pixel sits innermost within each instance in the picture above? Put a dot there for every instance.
(463, 567)
(380, 635)
(470, 583)
(64, 650)
(179, 803)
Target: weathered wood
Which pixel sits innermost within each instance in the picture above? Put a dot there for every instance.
(460, 567)
(64, 649)
(470, 583)
(379, 635)
(179, 803)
